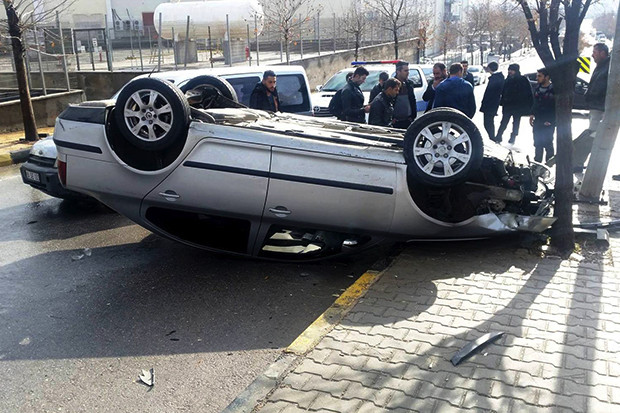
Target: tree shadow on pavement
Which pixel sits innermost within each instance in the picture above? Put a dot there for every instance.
(436, 299)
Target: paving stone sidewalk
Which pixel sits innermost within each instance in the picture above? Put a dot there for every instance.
(391, 353)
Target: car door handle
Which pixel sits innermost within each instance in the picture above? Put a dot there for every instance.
(280, 211)
(170, 195)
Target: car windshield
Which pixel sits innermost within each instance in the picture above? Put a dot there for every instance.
(337, 81)
(427, 71)
(473, 69)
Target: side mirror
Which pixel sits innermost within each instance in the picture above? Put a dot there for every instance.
(319, 87)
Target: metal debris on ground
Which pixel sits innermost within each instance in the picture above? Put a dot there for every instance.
(147, 377)
(474, 346)
(86, 252)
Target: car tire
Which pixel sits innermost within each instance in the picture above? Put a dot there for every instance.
(152, 114)
(442, 148)
(221, 85)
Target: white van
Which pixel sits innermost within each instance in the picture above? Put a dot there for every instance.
(324, 94)
(292, 83)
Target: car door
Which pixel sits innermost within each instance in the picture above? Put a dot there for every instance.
(215, 197)
(314, 190)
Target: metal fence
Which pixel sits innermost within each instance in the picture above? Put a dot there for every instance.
(92, 49)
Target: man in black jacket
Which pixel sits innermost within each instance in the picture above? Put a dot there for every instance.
(516, 102)
(265, 95)
(383, 76)
(542, 118)
(405, 108)
(382, 107)
(491, 98)
(467, 74)
(353, 109)
(439, 75)
(595, 99)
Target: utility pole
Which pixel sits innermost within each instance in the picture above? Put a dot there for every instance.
(607, 130)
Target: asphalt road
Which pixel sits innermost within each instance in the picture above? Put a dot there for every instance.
(76, 329)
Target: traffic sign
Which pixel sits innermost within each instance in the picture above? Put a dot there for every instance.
(584, 64)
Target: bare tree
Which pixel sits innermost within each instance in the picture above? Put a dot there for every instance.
(560, 58)
(354, 23)
(472, 27)
(286, 16)
(425, 25)
(23, 15)
(395, 14)
(448, 36)
(605, 23)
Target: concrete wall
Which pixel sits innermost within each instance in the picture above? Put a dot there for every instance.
(46, 109)
(320, 68)
(96, 85)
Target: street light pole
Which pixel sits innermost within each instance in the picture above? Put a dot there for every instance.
(607, 130)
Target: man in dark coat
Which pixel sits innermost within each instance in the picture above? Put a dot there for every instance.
(491, 98)
(439, 75)
(466, 74)
(353, 109)
(595, 99)
(382, 107)
(454, 92)
(383, 76)
(405, 107)
(542, 118)
(516, 102)
(265, 95)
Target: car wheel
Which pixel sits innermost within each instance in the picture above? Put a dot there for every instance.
(152, 114)
(442, 147)
(205, 81)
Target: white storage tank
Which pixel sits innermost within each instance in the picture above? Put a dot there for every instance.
(208, 13)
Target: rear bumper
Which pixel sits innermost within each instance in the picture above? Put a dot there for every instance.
(48, 181)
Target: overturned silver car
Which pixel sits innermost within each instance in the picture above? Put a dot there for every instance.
(198, 167)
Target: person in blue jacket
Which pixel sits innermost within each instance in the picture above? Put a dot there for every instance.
(454, 92)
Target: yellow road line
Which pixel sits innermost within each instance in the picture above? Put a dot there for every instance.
(5, 159)
(332, 316)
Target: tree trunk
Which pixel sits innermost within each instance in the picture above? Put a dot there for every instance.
(563, 237)
(30, 126)
(287, 50)
(481, 51)
(395, 32)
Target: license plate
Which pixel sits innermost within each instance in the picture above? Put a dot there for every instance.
(33, 176)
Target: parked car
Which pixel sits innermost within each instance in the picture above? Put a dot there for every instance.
(201, 169)
(292, 83)
(428, 73)
(480, 74)
(581, 87)
(40, 170)
(324, 94)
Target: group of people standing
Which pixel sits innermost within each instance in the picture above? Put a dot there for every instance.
(517, 99)
(393, 103)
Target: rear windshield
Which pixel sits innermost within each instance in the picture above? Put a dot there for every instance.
(473, 69)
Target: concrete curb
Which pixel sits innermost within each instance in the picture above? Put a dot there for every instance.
(267, 382)
(14, 157)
